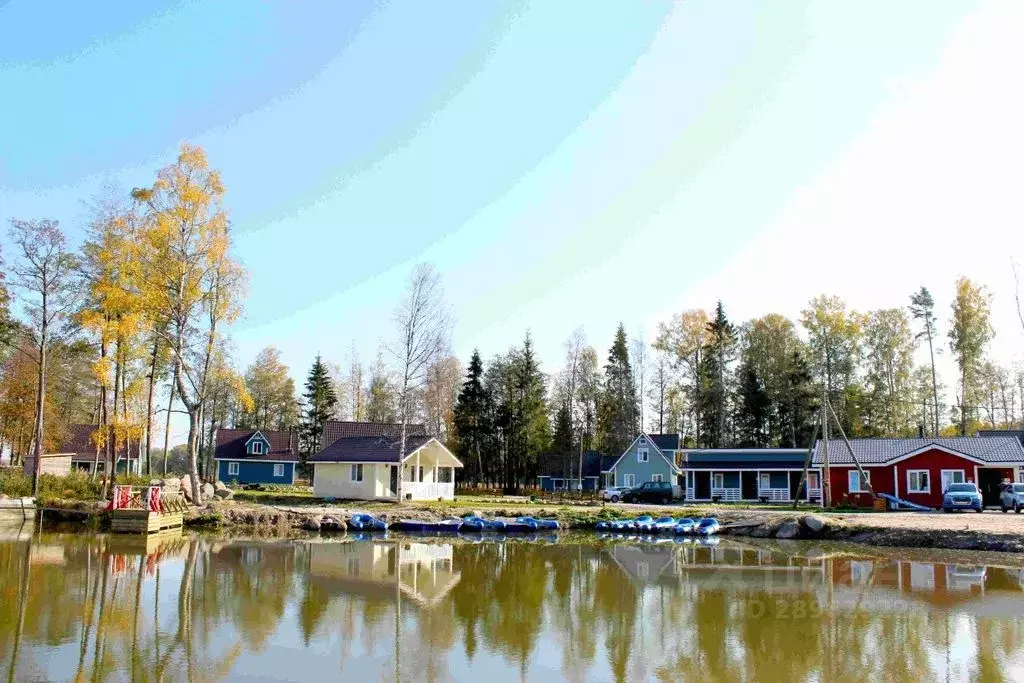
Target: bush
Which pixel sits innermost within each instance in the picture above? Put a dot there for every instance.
(76, 485)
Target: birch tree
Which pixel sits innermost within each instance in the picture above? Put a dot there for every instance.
(190, 279)
(970, 331)
(46, 273)
(423, 326)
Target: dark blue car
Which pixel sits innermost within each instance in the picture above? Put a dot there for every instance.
(962, 497)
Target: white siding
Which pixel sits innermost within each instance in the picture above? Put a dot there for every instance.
(334, 480)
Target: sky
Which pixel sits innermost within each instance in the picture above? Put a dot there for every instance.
(562, 164)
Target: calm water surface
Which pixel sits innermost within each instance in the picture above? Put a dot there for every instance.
(574, 609)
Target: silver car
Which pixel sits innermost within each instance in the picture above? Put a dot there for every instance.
(613, 494)
(1012, 497)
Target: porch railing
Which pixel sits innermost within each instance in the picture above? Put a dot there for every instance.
(774, 495)
(429, 490)
(726, 495)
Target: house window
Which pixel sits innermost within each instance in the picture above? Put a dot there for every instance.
(445, 475)
(629, 480)
(279, 469)
(642, 441)
(853, 479)
(256, 447)
(719, 480)
(952, 477)
(356, 472)
(657, 477)
(642, 455)
(232, 468)
(918, 481)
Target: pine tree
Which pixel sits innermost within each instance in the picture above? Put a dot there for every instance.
(753, 409)
(720, 354)
(799, 404)
(618, 414)
(471, 420)
(319, 402)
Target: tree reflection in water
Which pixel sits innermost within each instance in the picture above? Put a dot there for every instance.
(84, 607)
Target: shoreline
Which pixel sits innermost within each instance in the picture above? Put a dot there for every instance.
(987, 532)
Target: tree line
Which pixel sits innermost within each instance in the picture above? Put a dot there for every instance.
(89, 335)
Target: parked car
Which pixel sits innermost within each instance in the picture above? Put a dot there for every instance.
(613, 494)
(1012, 497)
(650, 492)
(962, 497)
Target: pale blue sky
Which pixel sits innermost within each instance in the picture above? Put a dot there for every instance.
(562, 163)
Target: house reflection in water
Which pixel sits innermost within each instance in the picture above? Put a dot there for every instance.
(422, 572)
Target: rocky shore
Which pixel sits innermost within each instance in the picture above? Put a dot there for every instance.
(988, 532)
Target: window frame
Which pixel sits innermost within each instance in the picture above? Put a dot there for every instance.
(233, 468)
(355, 472)
(645, 452)
(942, 478)
(849, 480)
(659, 478)
(256, 447)
(281, 466)
(629, 480)
(928, 479)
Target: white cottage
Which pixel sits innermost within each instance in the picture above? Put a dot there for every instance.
(369, 467)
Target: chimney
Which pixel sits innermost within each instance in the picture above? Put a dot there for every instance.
(920, 431)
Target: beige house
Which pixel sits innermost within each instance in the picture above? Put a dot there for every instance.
(424, 570)
(370, 468)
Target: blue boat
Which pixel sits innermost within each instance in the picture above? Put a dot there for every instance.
(614, 524)
(546, 524)
(707, 527)
(643, 522)
(363, 522)
(474, 523)
(446, 526)
(663, 524)
(707, 540)
(685, 526)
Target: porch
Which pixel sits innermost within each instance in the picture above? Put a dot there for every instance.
(428, 473)
(733, 486)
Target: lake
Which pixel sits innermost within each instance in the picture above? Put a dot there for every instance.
(575, 608)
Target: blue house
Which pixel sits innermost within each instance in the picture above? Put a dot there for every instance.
(561, 472)
(255, 456)
(651, 457)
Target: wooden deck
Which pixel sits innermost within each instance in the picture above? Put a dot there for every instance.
(143, 521)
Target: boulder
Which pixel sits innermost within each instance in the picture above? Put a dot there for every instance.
(812, 523)
(332, 524)
(788, 530)
(219, 486)
(311, 524)
(156, 482)
(171, 484)
(186, 483)
(207, 490)
(224, 494)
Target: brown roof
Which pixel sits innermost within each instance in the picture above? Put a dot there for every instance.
(231, 444)
(78, 441)
(339, 429)
(368, 449)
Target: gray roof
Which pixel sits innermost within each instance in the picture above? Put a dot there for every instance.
(666, 442)
(1016, 433)
(993, 449)
(765, 457)
(367, 449)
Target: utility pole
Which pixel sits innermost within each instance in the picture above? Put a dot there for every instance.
(826, 477)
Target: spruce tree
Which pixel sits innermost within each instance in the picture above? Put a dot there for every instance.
(471, 420)
(721, 352)
(319, 403)
(753, 409)
(618, 414)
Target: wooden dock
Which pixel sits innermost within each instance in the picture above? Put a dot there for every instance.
(22, 509)
(143, 521)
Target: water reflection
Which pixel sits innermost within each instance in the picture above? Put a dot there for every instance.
(175, 607)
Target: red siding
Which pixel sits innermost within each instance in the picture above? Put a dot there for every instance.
(934, 461)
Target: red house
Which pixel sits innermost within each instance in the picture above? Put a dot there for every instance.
(919, 470)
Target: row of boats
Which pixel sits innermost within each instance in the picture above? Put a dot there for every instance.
(469, 523)
(708, 526)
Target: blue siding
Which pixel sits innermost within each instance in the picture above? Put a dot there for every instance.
(257, 472)
(548, 483)
(643, 471)
(779, 480)
(731, 480)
